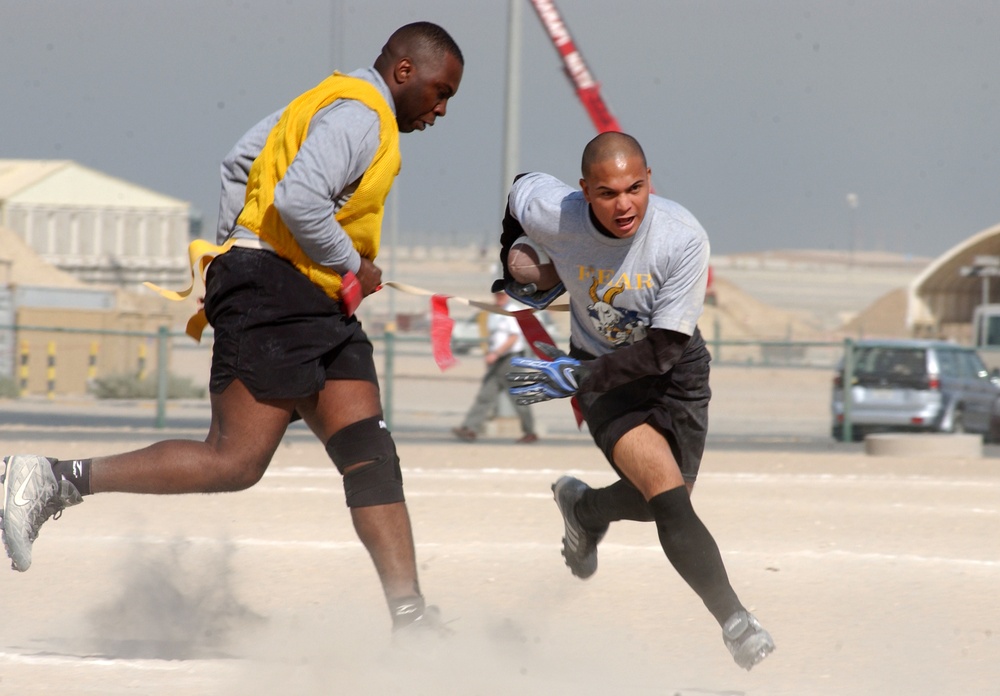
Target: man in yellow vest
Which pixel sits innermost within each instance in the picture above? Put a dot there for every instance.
(303, 195)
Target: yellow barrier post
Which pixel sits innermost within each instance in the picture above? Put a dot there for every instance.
(25, 353)
(142, 361)
(92, 362)
(50, 372)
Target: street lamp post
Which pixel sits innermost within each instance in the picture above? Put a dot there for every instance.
(852, 203)
(983, 267)
(512, 99)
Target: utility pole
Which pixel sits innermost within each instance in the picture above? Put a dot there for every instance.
(512, 98)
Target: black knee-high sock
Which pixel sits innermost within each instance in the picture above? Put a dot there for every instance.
(619, 501)
(76, 471)
(693, 552)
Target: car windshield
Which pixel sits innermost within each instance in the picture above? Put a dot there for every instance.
(890, 361)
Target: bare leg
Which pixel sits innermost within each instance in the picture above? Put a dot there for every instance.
(241, 440)
(386, 533)
(645, 457)
(384, 530)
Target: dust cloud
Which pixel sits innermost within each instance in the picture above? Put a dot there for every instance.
(174, 603)
(178, 601)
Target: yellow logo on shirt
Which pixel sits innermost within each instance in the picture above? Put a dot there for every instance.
(606, 276)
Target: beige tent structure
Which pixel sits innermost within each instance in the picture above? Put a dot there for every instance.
(943, 297)
(97, 228)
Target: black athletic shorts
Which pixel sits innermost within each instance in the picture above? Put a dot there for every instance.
(676, 404)
(276, 331)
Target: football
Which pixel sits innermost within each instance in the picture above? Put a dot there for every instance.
(528, 263)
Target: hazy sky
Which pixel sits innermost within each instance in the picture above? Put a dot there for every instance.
(759, 116)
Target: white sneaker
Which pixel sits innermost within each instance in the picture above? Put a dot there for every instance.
(746, 640)
(32, 496)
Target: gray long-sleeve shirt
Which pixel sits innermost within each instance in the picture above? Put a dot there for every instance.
(341, 142)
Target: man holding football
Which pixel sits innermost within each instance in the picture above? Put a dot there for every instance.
(635, 267)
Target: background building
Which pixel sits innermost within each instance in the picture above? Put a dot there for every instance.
(97, 228)
(75, 246)
(943, 298)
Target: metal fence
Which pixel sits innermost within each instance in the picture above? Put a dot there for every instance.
(21, 337)
(390, 346)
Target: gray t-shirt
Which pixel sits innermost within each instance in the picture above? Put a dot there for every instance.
(341, 143)
(617, 287)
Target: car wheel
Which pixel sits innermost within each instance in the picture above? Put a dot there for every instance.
(958, 422)
(992, 436)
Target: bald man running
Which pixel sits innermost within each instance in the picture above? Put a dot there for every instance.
(302, 196)
(635, 267)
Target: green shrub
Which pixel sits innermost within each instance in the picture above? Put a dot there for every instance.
(8, 388)
(129, 386)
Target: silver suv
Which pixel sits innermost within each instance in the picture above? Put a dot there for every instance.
(915, 385)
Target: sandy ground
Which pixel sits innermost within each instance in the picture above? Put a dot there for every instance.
(875, 575)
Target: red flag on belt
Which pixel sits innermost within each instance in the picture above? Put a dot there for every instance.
(441, 327)
(350, 293)
(533, 331)
(534, 334)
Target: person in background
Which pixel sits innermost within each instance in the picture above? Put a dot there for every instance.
(504, 343)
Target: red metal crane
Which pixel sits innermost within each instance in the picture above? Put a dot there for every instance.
(587, 88)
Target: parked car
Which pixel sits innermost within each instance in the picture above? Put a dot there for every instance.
(470, 333)
(919, 386)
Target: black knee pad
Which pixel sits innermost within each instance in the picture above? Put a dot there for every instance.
(379, 482)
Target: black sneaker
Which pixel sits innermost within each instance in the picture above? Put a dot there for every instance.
(464, 434)
(579, 543)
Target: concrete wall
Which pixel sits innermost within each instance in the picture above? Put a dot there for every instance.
(115, 354)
